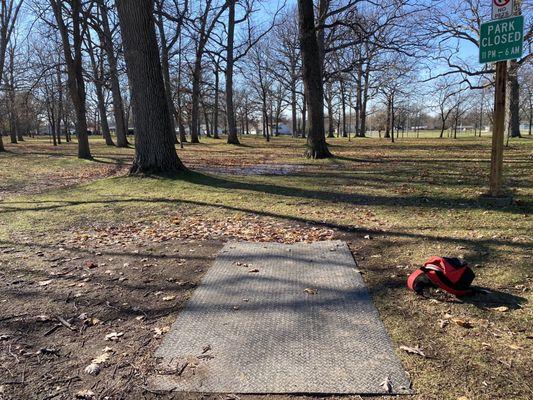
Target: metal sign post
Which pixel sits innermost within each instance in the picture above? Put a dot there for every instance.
(500, 40)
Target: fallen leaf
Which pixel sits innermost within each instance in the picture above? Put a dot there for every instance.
(114, 336)
(311, 291)
(462, 322)
(443, 323)
(102, 358)
(85, 394)
(386, 385)
(413, 350)
(500, 309)
(95, 366)
(161, 331)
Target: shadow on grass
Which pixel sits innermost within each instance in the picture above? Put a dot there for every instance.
(485, 298)
(429, 201)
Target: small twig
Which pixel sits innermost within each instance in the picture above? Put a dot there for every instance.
(52, 330)
(182, 367)
(65, 323)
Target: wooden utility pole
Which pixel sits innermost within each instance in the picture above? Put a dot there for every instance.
(498, 128)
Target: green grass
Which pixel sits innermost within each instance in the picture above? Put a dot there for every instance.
(416, 198)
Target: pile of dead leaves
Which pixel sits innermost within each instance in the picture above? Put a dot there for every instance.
(197, 227)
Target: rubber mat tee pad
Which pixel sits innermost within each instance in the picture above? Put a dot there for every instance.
(276, 318)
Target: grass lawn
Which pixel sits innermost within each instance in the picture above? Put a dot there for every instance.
(106, 252)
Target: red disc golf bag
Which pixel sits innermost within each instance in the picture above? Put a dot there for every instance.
(450, 274)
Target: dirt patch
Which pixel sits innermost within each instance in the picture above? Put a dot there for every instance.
(63, 309)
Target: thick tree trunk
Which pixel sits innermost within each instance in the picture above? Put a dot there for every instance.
(121, 122)
(230, 109)
(154, 146)
(312, 77)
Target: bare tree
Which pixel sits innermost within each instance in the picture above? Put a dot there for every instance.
(154, 139)
(72, 9)
(105, 31)
(9, 12)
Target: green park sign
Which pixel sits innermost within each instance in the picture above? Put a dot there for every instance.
(501, 39)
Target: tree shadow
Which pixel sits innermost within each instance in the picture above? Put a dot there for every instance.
(352, 199)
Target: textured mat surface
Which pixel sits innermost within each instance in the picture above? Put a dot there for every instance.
(274, 318)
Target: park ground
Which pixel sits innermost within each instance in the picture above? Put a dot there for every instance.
(96, 264)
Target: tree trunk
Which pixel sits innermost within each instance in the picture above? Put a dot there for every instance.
(392, 118)
(364, 103)
(166, 73)
(331, 120)
(60, 110)
(121, 122)
(215, 116)
(74, 61)
(514, 99)
(154, 145)
(293, 110)
(98, 76)
(195, 112)
(206, 119)
(312, 77)
(304, 116)
(11, 97)
(387, 123)
(343, 110)
(230, 110)
(359, 100)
